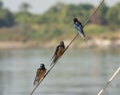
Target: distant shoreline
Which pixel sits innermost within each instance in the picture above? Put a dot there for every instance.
(102, 43)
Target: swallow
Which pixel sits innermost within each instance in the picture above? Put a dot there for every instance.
(58, 52)
(40, 73)
(79, 27)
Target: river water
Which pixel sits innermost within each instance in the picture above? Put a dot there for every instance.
(78, 72)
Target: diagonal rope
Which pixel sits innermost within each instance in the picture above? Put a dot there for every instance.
(52, 66)
(93, 14)
(42, 79)
(85, 23)
(109, 81)
(67, 46)
(71, 42)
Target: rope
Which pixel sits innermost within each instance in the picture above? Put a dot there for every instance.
(68, 46)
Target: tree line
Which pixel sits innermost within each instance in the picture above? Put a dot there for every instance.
(60, 13)
(56, 22)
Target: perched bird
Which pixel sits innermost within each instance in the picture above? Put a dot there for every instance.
(40, 73)
(59, 51)
(78, 26)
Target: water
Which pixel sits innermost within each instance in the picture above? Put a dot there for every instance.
(78, 72)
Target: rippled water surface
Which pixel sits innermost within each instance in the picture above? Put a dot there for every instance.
(78, 72)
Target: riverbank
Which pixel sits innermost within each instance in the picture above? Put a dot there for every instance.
(102, 43)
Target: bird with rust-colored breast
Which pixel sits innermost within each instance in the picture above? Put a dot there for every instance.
(58, 53)
(40, 73)
(79, 27)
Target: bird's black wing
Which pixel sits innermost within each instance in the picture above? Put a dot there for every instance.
(81, 26)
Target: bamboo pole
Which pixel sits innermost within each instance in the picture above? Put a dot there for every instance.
(68, 46)
(109, 81)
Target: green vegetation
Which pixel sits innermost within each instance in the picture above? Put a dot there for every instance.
(6, 17)
(56, 23)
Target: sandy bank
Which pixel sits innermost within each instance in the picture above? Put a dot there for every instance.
(91, 43)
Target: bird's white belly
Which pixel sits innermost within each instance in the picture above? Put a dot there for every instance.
(80, 32)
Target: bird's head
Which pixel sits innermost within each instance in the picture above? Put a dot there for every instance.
(42, 65)
(75, 19)
(61, 43)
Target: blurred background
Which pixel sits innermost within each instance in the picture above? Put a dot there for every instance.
(31, 30)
